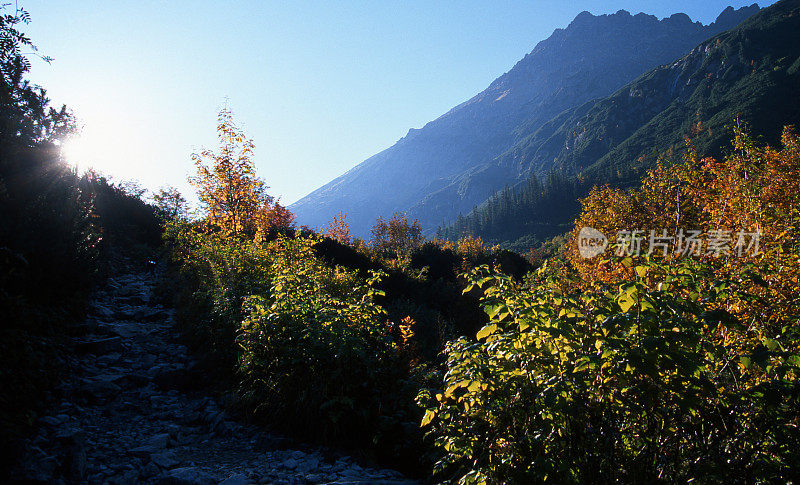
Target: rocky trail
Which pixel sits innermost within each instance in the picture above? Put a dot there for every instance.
(133, 410)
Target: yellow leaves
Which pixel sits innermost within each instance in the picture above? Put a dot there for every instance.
(486, 331)
(569, 313)
(448, 393)
(407, 329)
(396, 235)
(476, 386)
(470, 247)
(408, 341)
(472, 388)
(427, 418)
(627, 298)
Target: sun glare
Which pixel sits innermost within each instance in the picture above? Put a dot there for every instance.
(98, 149)
(116, 147)
(80, 153)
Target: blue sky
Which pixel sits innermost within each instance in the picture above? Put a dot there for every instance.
(319, 86)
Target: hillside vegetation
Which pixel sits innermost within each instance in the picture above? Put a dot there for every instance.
(668, 353)
(750, 74)
(665, 365)
(635, 367)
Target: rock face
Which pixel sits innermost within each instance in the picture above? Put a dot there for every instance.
(427, 172)
(134, 411)
(745, 73)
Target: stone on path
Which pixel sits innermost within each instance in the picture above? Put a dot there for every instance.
(187, 476)
(238, 479)
(99, 346)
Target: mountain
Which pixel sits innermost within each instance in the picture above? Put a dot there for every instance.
(750, 73)
(430, 172)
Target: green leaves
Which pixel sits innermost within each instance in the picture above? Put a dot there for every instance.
(315, 354)
(628, 296)
(608, 380)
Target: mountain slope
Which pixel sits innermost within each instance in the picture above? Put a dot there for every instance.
(424, 172)
(751, 73)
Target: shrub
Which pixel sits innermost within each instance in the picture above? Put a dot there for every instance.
(317, 354)
(651, 380)
(219, 273)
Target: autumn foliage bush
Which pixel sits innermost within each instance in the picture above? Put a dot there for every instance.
(638, 382)
(640, 369)
(317, 352)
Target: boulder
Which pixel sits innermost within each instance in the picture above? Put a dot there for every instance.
(165, 460)
(154, 445)
(73, 452)
(159, 441)
(103, 312)
(99, 389)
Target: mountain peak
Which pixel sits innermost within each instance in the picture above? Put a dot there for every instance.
(730, 17)
(436, 172)
(680, 18)
(582, 18)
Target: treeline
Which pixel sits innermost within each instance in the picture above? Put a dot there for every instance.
(527, 214)
(56, 235)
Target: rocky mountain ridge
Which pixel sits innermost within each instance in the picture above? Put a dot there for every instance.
(428, 173)
(749, 75)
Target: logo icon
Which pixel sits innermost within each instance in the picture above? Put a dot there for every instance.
(591, 242)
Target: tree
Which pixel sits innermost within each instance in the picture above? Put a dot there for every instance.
(396, 234)
(233, 197)
(272, 215)
(228, 188)
(170, 203)
(471, 247)
(26, 118)
(339, 229)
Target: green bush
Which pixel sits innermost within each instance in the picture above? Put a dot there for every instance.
(652, 380)
(218, 274)
(317, 353)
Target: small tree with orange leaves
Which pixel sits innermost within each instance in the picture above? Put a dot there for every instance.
(339, 229)
(233, 197)
(229, 191)
(272, 215)
(471, 247)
